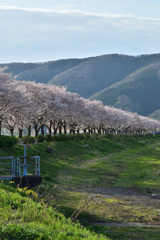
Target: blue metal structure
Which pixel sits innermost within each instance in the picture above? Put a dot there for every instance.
(9, 167)
(25, 169)
(20, 167)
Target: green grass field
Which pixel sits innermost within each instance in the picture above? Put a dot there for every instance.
(108, 181)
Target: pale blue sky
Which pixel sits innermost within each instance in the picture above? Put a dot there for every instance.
(38, 30)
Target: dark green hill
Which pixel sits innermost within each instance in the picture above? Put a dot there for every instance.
(40, 72)
(97, 73)
(139, 92)
(17, 68)
(155, 115)
(46, 71)
(83, 76)
(127, 82)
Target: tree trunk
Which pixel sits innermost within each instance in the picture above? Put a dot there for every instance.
(60, 130)
(42, 130)
(50, 131)
(29, 130)
(20, 132)
(71, 131)
(84, 130)
(36, 130)
(50, 128)
(65, 127)
(99, 130)
(55, 131)
(0, 127)
(12, 131)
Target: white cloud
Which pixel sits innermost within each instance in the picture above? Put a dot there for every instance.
(60, 9)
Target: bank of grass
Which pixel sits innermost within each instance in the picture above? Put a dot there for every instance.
(127, 233)
(128, 161)
(115, 160)
(77, 166)
(24, 216)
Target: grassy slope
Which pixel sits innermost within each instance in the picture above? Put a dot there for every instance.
(24, 216)
(76, 185)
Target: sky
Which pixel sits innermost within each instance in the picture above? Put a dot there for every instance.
(40, 31)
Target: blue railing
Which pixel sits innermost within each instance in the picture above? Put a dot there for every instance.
(25, 165)
(7, 168)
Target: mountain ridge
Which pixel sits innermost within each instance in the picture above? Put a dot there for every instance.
(142, 87)
(101, 78)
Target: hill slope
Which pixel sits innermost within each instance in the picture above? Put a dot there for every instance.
(46, 71)
(139, 92)
(40, 72)
(155, 115)
(100, 72)
(17, 68)
(83, 76)
(127, 82)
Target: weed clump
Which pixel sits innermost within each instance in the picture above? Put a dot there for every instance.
(28, 139)
(40, 138)
(75, 137)
(48, 138)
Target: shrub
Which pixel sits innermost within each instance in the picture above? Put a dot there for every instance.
(96, 136)
(7, 141)
(40, 138)
(61, 137)
(49, 138)
(79, 136)
(28, 139)
(73, 137)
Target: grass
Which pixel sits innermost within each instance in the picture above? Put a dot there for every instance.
(27, 217)
(83, 179)
(106, 208)
(126, 233)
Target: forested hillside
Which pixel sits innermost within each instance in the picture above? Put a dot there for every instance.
(83, 76)
(139, 92)
(100, 72)
(40, 72)
(96, 74)
(130, 83)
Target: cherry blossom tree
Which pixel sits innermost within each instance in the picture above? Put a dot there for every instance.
(27, 105)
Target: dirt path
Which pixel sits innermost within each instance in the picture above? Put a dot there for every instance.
(131, 224)
(90, 162)
(123, 196)
(127, 198)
